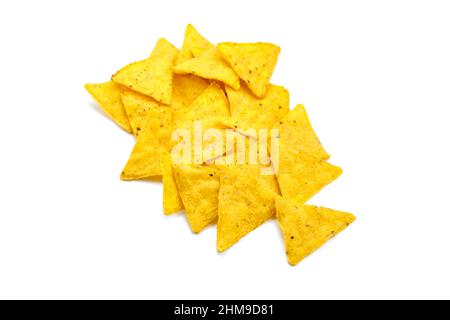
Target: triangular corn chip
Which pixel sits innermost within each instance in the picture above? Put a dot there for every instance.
(245, 203)
(186, 89)
(137, 107)
(172, 202)
(249, 112)
(296, 135)
(307, 228)
(164, 47)
(154, 139)
(199, 189)
(151, 77)
(108, 96)
(212, 103)
(210, 65)
(194, 45)
(302, 177)
(254, 63)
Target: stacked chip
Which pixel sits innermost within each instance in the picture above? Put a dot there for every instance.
(237, 183)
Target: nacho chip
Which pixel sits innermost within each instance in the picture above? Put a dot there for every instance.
(186, 89)
(212, 103)
(151, 77)
(307, 228)
(254, 63)
(194, 45)
(209, 65)
(108, 96)
(247, 111)
(137, 107)
(164, 47)
(201, 141)
(145, 159)
(172, 202)
(199, 189)
(302, 177)
(245, 203)
(296, 135)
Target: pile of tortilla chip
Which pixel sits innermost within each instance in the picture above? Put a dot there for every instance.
(224, 87)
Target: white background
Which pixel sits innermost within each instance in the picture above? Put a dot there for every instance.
(374, 76)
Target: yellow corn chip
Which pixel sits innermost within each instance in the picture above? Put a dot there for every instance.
(302, 177)
(245, 203)
(209, 65)
(186, 89)
(254, 63)
(154, 139)
(296, 135)
(171, 198)
(151, 77)
(108, 96)
(249, 112)
(307, 228)
(194, 45)
(164, 47)
(212, 103)
(137, 107)
(199, 189)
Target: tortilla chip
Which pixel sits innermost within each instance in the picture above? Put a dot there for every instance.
(302, 177)
(307, 228)
(254, 63)
(209, 65)
(297, 135)
(151, 77)
(172, 202)
(247, 111)
(245, 203)
(186, 89)
(108, 96)
(145, 159)
(199, 189)
(212, 103)
(164, 47)
(194, 45)
(210, 136)
(137, 107)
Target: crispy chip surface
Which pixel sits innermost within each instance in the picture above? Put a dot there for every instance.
(108, 96)
(245, 203)
(194, 45)
(307, 228)
(205, 111)
(137, 107)
(151, 77)
(164, 47)
(254, 63)
(302, 177)
(172, 202)
(199, 189)
(296, 135)
(186, 88)
(154, 139)
(209, 65)
(212, 103)
(250, 112)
